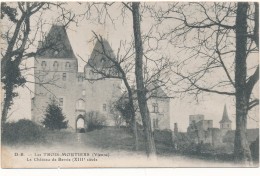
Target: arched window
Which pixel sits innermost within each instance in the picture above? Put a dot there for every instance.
(55, 65)
(56, 53)
(64, 76)
(43, 64)
(80, 104)
(155, 107)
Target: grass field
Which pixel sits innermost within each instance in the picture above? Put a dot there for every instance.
(111, 138)
(119, 143)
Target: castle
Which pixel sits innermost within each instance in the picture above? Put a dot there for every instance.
(57, 77)
(202, 131)
(202, 138)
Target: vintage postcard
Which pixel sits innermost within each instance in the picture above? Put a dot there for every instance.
(129, 84)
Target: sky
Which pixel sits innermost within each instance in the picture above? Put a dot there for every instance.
(80, 36)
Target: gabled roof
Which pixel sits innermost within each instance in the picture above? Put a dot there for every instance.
(98, 58)
(56, 44)
(225, 118)
(156, 91)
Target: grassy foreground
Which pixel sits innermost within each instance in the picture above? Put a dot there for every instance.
(111, 138)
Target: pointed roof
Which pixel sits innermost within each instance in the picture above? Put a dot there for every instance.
(56, 44)
(225, 118)
(156, 91)
(97, 57)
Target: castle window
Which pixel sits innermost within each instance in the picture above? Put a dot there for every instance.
(80, 104)
(64, 76)
(56, 76)
(155, 123)
(43, 64)
(155, 107)
(61, 102)
(40, 78)
(56, 53)
(67, 66)
(55, 65)
(104, 107)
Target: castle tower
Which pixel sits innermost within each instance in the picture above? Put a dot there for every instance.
(55, 69)
(98, 62)
(225, 123)
(103, 90)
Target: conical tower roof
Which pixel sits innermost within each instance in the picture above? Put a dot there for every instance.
(56, 44)
(97, 57)
(225, 118)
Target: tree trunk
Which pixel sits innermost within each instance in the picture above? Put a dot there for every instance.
(134, 126)
(141, 93)
(133, 119)
(241, 147)
(6, 106)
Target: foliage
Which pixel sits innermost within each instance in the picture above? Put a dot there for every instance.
(12, 79)
(117, 117)
(95, 120)
(16, 39)
(124, 107)
(9, 11)
(163, 137)
(54, 118)
(22, 132)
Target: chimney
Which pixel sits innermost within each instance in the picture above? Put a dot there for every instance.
(175, 128)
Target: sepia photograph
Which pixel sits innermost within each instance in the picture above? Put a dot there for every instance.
(129, 84)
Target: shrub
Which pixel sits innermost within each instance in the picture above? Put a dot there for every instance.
(95, 120)
(163, 136)
(23, 132)
(124, 107)
(54, 118)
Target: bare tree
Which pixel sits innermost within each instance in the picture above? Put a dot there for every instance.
(152, 77)
(117, 68)
(20, 38)
(17, 43)
(209, 37)
(243, 85)
(141, 92)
